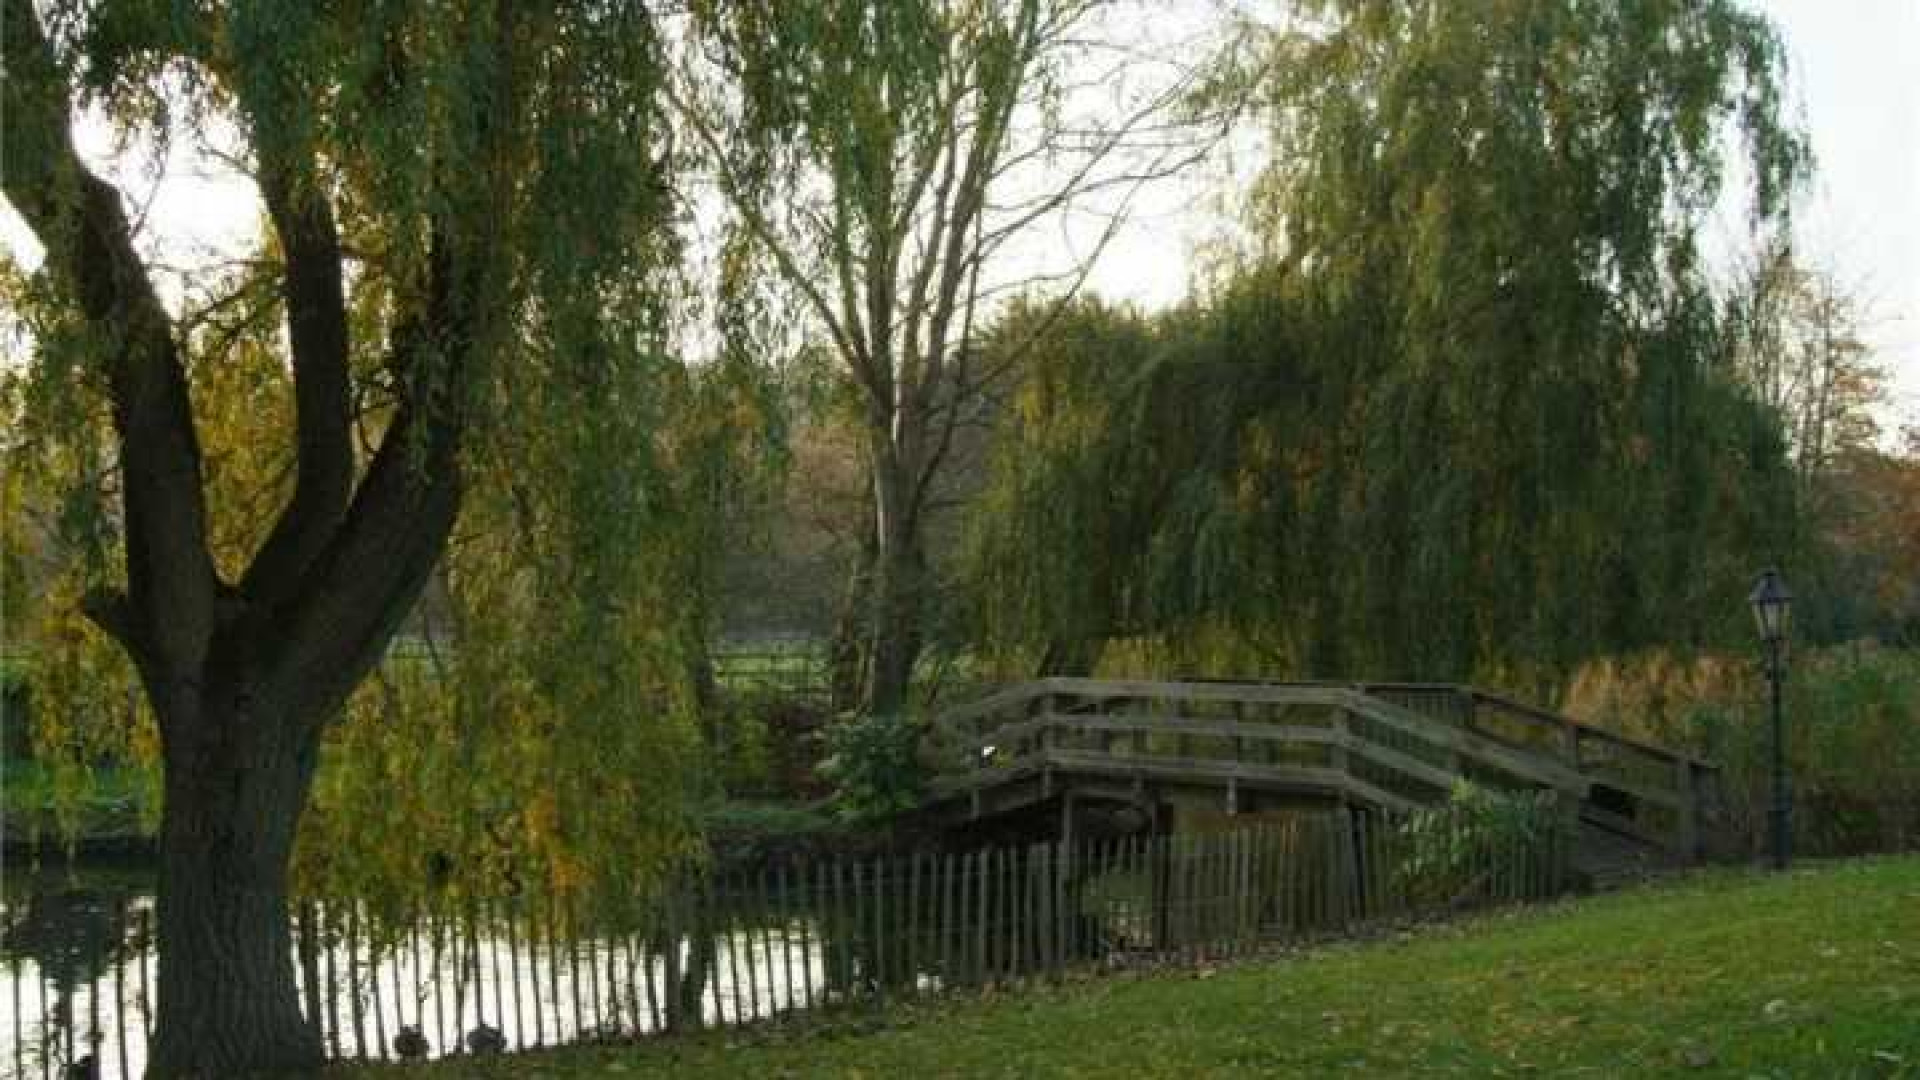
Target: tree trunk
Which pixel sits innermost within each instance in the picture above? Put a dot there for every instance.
(898, 601)
(236, 780)
(896, 646)
(847, 651)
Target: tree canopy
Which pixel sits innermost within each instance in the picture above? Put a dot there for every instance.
(460, 299)
(1468, 404)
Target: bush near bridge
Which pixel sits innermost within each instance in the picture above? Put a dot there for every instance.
(1852, 717)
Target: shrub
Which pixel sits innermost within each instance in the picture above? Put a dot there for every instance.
(874, 767)
(1853, 738)
(1480, 846)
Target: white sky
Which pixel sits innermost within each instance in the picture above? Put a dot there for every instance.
(1855, 76)
(1857, 69)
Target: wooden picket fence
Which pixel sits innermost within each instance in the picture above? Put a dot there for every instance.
(799, 938)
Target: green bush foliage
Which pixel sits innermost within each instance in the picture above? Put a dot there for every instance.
(1473, 848)
(874, 767)
(1852, 720)
(1852, 723)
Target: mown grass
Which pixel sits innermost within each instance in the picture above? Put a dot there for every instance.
(1730, 973)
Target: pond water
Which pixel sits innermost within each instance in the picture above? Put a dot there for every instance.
(78, 967)
(77, 971)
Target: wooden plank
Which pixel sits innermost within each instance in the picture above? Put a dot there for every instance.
(1048, 921)
(328, 916)
(119, 994)
(942, 952)
(811, 903)
(882, 873)
(846, 923)
(1251, 692)
(1212, 770)
(962, 782)
(572, 924)
(910, 946)
(1201, 772)
(1270, 693)
(1405, 764)
(1473, 746)
(784, 915)
(750, 906)
(982, 959)
(380, 1043)
(1626, 826)
(1590, 731)
(1671, 800)
(1016, 694)
(1522, 764)
(1249, 730)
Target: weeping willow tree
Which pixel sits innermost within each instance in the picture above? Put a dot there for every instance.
(458, 302)
(1467, 409)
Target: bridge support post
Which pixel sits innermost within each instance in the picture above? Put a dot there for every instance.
(1688, 840)
(1159, 872)
(1569, 807)
(1346, 868)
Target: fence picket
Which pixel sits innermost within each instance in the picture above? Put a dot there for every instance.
(756, 908)
(379, 1013)
(810, 934)
(50, 1028)
(783, 916)
(509, 917)
(355, 1009)
(982, 860)
(419, 1001)
(864, 929)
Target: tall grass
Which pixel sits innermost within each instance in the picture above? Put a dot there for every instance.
(1852, 716)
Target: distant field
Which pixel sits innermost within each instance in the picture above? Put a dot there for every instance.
(1741, 974)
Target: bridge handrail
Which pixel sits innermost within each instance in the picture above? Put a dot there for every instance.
(1021, 737)
(1021, 718)
(1546, 718)
(1254, 691)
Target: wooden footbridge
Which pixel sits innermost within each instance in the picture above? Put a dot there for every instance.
(1154, 751)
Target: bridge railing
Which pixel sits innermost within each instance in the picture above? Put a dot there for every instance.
(1647, 791)
(1395, 745)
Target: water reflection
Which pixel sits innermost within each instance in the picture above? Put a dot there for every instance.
(79, 962)
(75, 993)
(69, 935)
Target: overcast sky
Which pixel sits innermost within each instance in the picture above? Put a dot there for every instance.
(1856, 74)
(1857, 70)
(1856, 80)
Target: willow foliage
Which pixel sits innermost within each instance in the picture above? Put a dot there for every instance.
(529, 141)
(1467, 409)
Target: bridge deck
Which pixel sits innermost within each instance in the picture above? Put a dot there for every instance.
(1391, 746)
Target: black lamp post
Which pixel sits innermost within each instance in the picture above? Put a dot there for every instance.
(1773, 610)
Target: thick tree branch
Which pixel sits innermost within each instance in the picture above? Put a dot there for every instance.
(365, 578)
(317, 330)
(79, 219)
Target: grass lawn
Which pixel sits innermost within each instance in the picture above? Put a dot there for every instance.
(1814, 974)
